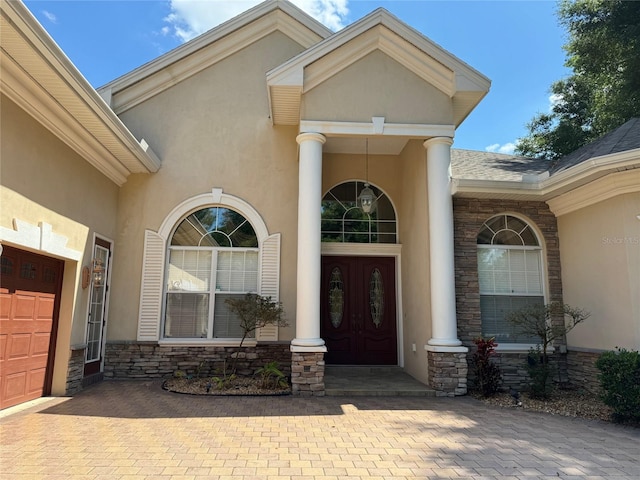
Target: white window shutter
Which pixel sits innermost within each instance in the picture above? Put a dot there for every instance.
(151, 287)
(270, 281)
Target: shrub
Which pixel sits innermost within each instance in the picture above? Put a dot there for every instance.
(548, 323)
(488, 376)
(539, 371)
(620, 382)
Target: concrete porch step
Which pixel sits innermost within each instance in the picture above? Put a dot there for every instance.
(391, 381)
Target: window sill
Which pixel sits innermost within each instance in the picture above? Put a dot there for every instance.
(206, 342)
(519, 348)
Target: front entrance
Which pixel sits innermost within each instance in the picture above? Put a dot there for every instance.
(358, 310)
(29, 302)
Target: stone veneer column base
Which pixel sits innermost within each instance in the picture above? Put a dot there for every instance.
(448, 371)
(75, 370)
(307, 374)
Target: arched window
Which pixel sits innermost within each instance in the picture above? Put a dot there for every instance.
(213, 255)
(344, 221)
(510, 275)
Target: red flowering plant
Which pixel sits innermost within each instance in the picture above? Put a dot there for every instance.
(488, 375)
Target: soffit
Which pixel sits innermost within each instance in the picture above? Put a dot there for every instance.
(210, 48)
(378, 31)
(38, 77)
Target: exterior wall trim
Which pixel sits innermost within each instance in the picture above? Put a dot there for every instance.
(40, 238)
(336, 129)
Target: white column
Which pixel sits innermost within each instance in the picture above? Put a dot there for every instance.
(308, 287)
(443, 293)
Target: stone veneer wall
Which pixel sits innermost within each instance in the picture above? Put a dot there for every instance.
(75, 371)
(307, 374)
(582, 370)
(468, 215)
(150, 360)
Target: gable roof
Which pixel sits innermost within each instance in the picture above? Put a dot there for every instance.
(379, 30)
(39, 77)
(623, 138)
(194, 56)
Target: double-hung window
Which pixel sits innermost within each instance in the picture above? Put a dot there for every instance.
(213, 256)
(510, 275)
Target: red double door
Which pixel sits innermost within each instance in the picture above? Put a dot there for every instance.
(358, 310)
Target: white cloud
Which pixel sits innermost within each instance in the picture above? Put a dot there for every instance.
(507, 148)
(50, 16)
(190, 18)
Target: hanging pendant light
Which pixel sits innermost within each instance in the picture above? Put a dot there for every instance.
(367, 199)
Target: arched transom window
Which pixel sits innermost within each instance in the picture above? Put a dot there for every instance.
(344, 221)
(510, 275)
(213, 256)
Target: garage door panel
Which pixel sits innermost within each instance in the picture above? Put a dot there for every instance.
(19, 346)
(14, 387)
(44, 307)
(24, 306)
(35, 381)
(40, 344)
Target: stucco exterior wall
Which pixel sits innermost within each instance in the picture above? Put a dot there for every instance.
(43, 180)
(212, 130)
(369, 87)
(600, 252)
(414, 236)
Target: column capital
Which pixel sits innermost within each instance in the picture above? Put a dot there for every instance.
(311, 136)
(438, 140)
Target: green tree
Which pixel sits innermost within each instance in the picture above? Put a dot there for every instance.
(603, 92)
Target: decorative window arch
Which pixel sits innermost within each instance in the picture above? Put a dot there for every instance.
(208, 248)
(510, 274)
(344, 221)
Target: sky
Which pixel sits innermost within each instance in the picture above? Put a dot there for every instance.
(517, 44)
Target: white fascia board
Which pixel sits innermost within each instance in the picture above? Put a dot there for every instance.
(290, 23)
(21, 89)
(338, 129)
(43, 45)
(547, 187)
(602, 189)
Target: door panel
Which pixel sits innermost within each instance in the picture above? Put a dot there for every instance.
(366, 334)
(29, 298)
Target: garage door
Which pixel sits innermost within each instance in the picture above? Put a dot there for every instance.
(29, 293)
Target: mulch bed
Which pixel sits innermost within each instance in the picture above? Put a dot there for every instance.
(237, 386)
(566, 402)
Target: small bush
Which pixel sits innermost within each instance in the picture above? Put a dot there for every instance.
(488, 376)
(620, 382)
(539, 371)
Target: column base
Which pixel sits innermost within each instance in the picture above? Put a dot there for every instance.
(308, 345)
(307, 374)
(445, 342)
(447, 372)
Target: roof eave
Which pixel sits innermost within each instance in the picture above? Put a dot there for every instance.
(548, 187)
(116, 159)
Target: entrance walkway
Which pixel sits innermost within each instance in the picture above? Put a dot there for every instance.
(135, 430)
(341, 381)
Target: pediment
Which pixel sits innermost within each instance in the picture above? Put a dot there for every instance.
(379, 31)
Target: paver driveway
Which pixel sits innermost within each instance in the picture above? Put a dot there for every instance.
(135, 430)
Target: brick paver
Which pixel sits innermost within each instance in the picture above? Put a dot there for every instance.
(135, 430)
